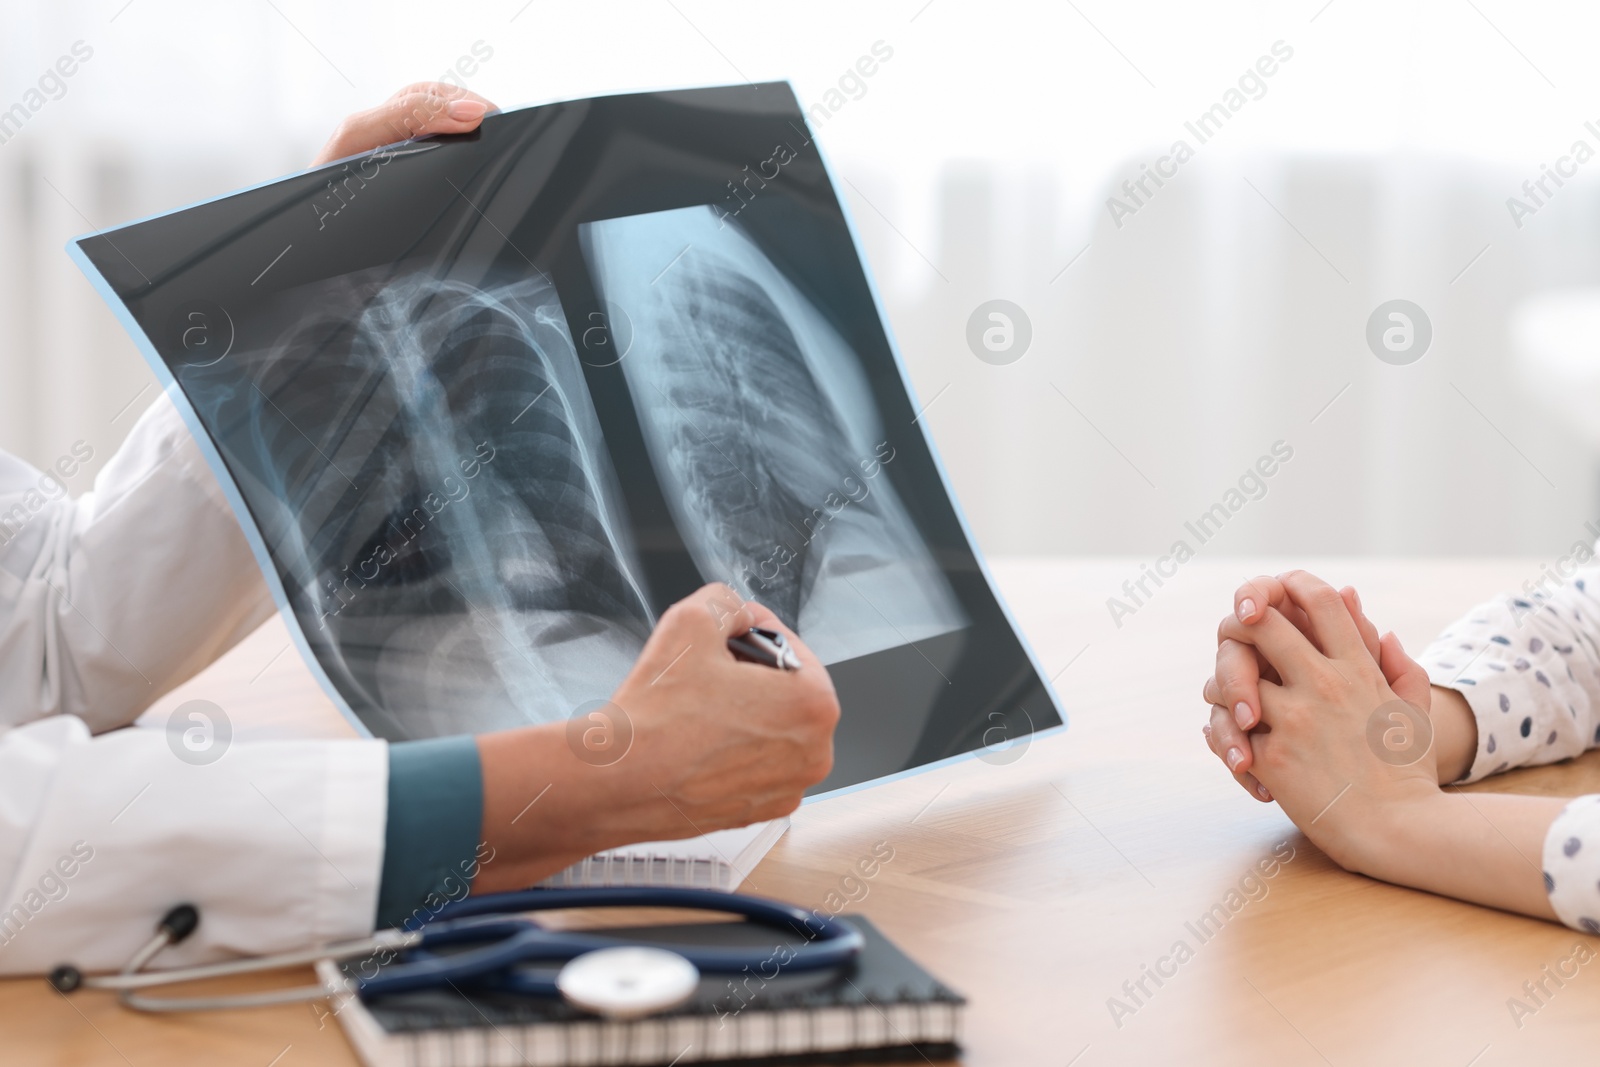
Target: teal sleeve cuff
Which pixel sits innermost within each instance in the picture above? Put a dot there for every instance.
(430, 845)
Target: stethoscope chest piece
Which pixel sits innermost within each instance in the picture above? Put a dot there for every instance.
(628, 982)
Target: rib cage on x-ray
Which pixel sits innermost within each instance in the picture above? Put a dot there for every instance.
(762, 431)
(446, 602)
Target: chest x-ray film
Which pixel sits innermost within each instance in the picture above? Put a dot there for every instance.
(488, 404)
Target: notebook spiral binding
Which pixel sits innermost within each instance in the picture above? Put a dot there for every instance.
(863, 1029)
(645, 869)
(927, 1028)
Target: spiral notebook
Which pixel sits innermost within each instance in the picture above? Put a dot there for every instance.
(883, 1006)
(718, 860)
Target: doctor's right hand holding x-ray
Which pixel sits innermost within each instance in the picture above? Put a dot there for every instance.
(111, 600)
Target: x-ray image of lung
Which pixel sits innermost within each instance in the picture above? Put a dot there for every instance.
(753, 412)
(487, 405)
(457, 549)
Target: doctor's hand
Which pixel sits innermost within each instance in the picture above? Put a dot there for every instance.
(417, 109)
(703, 742)
(724, 742)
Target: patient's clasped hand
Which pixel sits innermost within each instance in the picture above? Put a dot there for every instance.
(1321, 672)
(1311, 707)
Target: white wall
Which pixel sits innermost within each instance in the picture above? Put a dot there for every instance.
(977, 162)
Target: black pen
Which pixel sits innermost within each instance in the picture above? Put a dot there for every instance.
(766, 647)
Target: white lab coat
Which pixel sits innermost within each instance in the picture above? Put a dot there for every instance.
(106, 602)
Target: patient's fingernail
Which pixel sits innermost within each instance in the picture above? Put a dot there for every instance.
(1261, 791)
(1242, 716)
(1355, 595)
(1247, 608)
(466, 110)
(1235, 757)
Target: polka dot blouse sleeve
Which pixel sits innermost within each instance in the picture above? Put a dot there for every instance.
(1529, 667)
(1572, 864)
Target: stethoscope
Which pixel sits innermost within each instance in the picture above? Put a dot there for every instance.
(610, 976)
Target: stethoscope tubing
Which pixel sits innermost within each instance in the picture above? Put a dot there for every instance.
(830, 943)
(132, 977)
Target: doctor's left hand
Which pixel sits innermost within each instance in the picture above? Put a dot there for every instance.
(417, 109)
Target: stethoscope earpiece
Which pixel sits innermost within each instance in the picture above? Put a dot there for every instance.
(176, 925)
(179, 923)
(66, 978)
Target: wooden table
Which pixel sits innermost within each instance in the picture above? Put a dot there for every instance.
(1039, 887)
